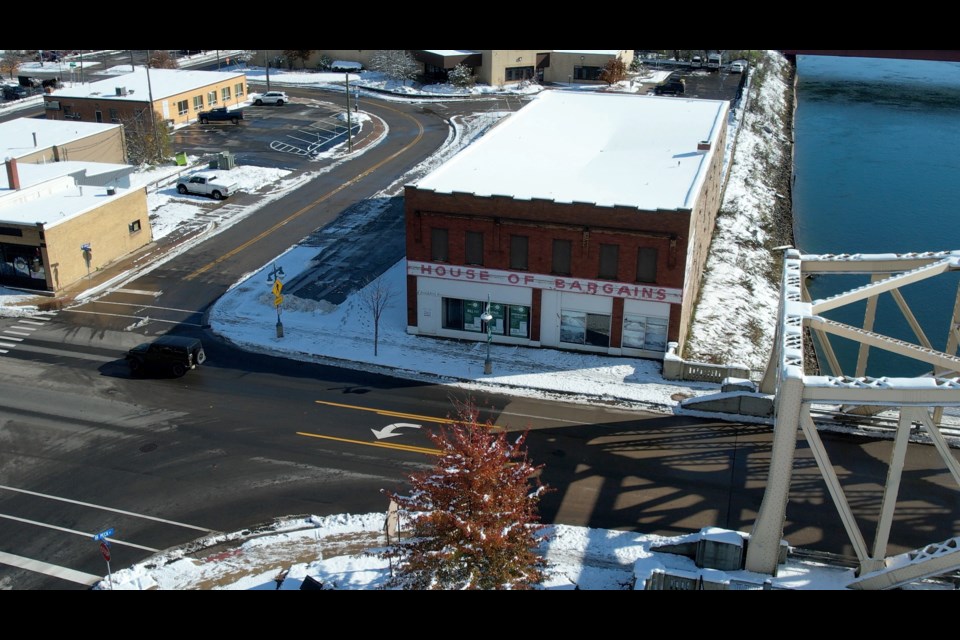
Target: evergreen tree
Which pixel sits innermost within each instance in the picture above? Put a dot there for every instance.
(460, 76)
(475, 519)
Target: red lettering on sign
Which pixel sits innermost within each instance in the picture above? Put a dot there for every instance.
(559, 283)
(471, 274)
(484, 275)
(425, 268)
(607, 288)
(441, 271)
(454, 272)
(527, 279)
(513, 278)
(661, 294)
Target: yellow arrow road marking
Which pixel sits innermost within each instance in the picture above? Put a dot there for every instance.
(385, 445)
(297, 214)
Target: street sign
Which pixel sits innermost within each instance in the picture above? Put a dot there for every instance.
(278, 300)
(105, 551)
(277, 287)
(104, 534)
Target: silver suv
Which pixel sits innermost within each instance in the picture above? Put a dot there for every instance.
(271, 97)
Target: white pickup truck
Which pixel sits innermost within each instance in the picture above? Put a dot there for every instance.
(208, 183)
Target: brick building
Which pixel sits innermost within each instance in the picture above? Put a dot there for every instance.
(178, 95)
(584, 219)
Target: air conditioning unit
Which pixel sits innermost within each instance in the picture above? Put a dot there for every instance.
(121, 91)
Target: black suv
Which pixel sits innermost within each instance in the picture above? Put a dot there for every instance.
(173, 354)
(670, 87)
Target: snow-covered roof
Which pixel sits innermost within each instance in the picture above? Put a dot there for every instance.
(17, 136)
(48, 195)
(450, 52)
(608, 149)
(163, 84)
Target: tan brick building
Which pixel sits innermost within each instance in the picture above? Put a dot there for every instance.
(40, 141)
(178, 95)
(584, 220)
(54, 230)
(509, 66)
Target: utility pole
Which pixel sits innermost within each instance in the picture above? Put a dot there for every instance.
(266, 63)
(153, 117)
(349, 125)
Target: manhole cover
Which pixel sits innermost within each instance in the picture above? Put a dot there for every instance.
(147, 448)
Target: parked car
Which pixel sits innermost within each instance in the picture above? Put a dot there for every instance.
(278, 98)
(220, 114)
(207, 183)
(670, 87)
(11, 92)
(167, 354)
(696, 62)
(737, 67)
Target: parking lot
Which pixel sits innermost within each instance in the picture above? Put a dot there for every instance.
(708, 85)
(284, 137)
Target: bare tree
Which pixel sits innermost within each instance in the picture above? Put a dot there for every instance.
(161, 59)
(375, 298)
(395, 64)
(614, 71)
(10, 62)
(148, 139)
(298, 54)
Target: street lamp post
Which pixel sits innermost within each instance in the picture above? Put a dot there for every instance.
(487, 318)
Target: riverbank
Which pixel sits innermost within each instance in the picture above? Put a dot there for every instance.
(736, 314)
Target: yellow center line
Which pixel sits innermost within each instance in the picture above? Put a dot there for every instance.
(392, 414)
(385, 445)
(409, 416)
(297, 214)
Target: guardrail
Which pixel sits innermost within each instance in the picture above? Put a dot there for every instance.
(676, 368)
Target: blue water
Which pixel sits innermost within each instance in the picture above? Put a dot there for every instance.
(877, 170)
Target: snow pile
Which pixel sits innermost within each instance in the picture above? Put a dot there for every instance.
(736, 315)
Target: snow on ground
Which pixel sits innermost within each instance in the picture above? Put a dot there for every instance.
(729, 326)
(342, 553)
(315, 331)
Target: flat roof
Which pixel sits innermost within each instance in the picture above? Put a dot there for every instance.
(63, 201)
(17, 136)
(450, 52)
(607, 149)
(163, 84)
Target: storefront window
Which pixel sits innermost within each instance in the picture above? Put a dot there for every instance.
(22, 265)
(577, 327)
(508, 319)
(641, 332)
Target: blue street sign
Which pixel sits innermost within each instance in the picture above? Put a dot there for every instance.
(103, 534)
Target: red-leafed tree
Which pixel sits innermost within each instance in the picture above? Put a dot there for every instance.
(474, 514)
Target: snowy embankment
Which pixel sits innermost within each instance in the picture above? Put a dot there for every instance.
(736, 314)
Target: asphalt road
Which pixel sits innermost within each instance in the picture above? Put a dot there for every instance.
(250, 437)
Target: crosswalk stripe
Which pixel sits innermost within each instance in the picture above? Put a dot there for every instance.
(11, 338)
(7, 344)
(17, 333)
(71, 575)
(16, 326)
(38, 324)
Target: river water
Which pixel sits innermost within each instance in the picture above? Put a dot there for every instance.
(877, 170)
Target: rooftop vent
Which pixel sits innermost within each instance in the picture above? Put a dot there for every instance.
(121, 91)
(703, 145)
